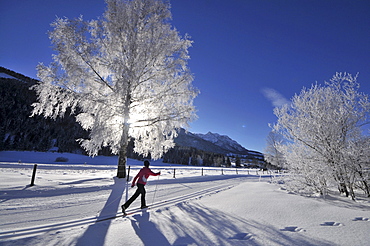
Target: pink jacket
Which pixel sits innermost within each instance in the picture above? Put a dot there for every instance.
(143, 176)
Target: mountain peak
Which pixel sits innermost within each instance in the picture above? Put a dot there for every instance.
(215, 143)
(9, 74)
(223, 141)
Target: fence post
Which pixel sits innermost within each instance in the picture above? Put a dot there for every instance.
(174, 173)
(222, 171)
(202, 171)
(128, 173)
(236, 170)
(270, 175)
(33, 175)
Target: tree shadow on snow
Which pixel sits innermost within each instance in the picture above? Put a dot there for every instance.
(147, 231)
(192, 223)
(335, 199)
(96, 233)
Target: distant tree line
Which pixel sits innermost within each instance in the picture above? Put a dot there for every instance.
(192, 156)
(19, 131)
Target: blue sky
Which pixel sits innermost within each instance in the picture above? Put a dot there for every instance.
(247, 54)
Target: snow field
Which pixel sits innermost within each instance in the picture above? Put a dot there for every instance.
(67, 200)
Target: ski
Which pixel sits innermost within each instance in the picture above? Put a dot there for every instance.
(134, 212)
(119, 214)
(110, 218)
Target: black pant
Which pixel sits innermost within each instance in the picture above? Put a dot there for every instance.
(140, 190)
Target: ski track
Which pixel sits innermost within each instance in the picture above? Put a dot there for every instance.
(57, 212)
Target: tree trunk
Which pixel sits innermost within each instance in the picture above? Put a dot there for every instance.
(122, 155)
(352, 193)
(121, 170)
(366, 187)
(343, 189)
(365, 184)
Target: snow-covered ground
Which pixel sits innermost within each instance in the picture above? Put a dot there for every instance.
(236, 208)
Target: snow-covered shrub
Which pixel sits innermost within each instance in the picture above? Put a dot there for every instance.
(325, 142)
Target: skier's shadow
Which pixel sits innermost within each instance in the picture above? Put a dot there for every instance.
(147, 230)
(97, 232)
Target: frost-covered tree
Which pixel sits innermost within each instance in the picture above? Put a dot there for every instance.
(272, 154)
(323, 126)
(127, 75)
(358, 159)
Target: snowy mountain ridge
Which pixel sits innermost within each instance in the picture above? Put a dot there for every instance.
(215, 143)
(6, 76)
(9, 74)
(223, 141)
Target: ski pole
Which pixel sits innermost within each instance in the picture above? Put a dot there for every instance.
(128, 177)
(155, 191)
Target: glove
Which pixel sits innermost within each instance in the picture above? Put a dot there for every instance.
(159, 173)
(133, 185)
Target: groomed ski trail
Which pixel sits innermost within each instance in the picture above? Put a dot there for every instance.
(164, 199)
(169, 202)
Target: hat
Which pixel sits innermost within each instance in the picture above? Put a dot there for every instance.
(146, 163)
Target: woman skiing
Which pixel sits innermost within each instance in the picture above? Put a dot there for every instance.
(141, 179)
